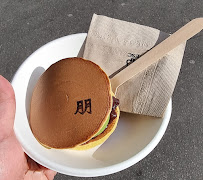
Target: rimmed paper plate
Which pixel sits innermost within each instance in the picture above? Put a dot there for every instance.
(134, 138)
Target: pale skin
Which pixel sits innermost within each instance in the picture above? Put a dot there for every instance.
(14, 163)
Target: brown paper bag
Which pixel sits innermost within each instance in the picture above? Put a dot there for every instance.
(108, 44)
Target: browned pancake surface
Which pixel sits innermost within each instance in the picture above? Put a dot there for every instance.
(54, 103)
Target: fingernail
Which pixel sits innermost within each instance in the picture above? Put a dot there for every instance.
(38, 175)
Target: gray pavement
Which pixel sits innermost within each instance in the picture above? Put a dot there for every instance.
(27, 25)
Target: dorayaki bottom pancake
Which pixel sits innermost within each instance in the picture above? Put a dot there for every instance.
(70, 104)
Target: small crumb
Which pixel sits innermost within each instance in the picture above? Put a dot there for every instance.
(123, 4)
(67, 97)
(70, 15)
(192, 62)
(28, 23)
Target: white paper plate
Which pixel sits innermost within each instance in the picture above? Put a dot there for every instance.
(134, 138)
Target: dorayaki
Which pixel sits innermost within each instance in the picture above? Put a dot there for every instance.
(72, 106)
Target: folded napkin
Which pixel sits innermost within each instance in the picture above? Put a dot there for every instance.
(113, 44)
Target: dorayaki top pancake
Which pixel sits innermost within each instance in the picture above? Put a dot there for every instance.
(70, 103)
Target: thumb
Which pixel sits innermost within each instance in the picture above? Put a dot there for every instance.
(7, 108)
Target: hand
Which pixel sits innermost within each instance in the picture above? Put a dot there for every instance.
(14, 163)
